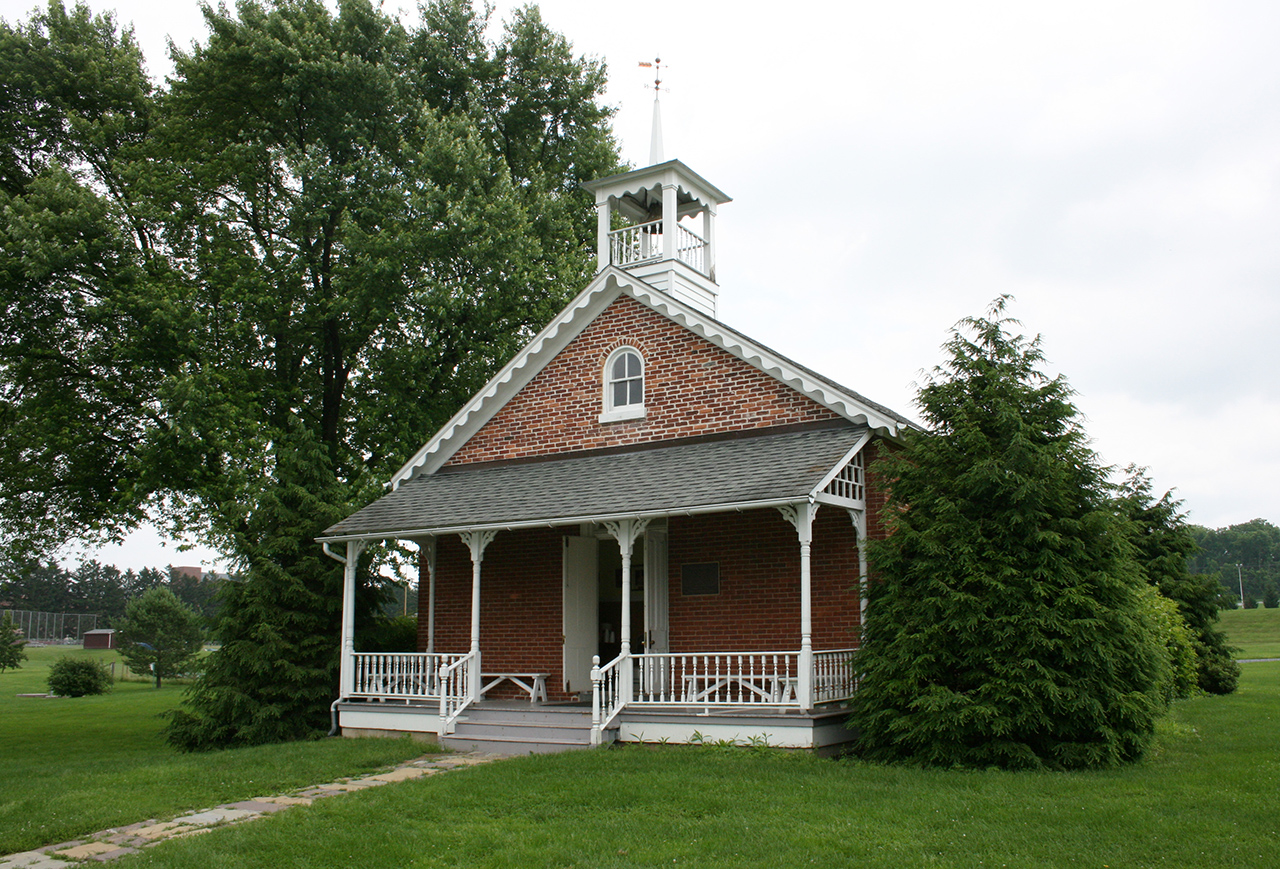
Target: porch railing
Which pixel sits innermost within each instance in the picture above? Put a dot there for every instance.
(457, 689)
(606, 697)
(723, 679)
(399, 675)
(719, 679)
(642, 243)
(834, 678)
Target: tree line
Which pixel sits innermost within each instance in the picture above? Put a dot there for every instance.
(101, 589)
(1248, 554)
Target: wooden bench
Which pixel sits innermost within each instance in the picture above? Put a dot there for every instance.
(764, 688)
(534, 683)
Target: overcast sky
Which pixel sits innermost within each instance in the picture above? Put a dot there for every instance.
(1114, 166)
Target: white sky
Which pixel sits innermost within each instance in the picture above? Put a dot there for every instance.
(1115, 166)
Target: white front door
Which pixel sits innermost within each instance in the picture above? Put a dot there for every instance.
(657, 626)
(581, 611)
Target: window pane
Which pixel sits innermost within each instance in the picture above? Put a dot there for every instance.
(633, 364)
(619, 368)
(620, 394)
(636, 392)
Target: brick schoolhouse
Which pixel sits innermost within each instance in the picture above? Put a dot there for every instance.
(646, 527)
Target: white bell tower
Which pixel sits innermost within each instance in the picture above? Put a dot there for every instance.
(647, 223)
(656, 243)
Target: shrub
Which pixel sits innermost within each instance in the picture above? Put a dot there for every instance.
(396, 634)
(1179, 680)
(1271, 596)
(1219, 673)
(76, 677)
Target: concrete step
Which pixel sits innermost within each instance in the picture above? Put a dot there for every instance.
(508, 730)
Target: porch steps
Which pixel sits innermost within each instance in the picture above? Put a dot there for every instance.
(504, 729)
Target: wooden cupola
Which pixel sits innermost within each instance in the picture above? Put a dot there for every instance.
(647, 224)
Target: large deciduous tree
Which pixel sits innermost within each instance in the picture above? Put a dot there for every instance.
(1007, 624)
(237, 303)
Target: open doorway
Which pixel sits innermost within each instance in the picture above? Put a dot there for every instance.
(609, 597)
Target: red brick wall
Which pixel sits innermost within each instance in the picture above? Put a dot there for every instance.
(757, 609)
(521, 611)
(692, 388)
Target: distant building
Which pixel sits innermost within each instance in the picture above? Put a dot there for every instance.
(103, 638)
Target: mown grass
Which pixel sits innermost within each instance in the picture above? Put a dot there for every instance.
(1255, 632)
(1208, 796)
(74, 766)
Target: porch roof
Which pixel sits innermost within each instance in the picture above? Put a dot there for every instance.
(695, 475)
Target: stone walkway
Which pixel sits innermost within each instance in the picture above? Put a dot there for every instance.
(109, 844)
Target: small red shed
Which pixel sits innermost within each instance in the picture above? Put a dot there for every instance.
(103, 638)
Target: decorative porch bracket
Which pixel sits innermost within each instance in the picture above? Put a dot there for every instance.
(626, 532)
(346, 655)
(801, 516)
(477, 542)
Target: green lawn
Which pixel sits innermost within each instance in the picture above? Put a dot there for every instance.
(75, 766)
(1209, 796)
(1255, 632)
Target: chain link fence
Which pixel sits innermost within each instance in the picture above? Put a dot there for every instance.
(52, 628)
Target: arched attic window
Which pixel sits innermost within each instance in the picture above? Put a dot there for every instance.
(623, 385)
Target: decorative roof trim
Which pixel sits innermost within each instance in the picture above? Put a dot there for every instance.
(513, 377)
(608, 284)
(849, 405)
(670, 172)
(840, 466)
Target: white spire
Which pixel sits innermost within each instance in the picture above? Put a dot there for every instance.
(655, 137)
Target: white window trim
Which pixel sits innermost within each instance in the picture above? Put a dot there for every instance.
(629, 411)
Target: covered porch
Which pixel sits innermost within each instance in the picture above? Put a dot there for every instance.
(710, 553)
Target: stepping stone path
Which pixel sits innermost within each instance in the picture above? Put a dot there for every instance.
(109, 844)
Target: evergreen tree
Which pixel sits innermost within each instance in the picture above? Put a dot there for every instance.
(12, 643)
(1006, 624)
(159, 634)
(1164, 544)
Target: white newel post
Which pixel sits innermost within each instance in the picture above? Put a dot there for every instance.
(476, 542)
(346, 668)
(626, 532)
(801, 516)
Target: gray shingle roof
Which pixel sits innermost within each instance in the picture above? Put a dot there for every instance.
(673, 478)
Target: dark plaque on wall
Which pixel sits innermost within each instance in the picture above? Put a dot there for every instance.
(696, 579)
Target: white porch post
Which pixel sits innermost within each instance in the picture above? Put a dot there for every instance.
(801, 516)
(427, 555)
(709, 235)
(476, 541)
(346, 668)
(670, 220)
(626, 532)
(859, 519)
(603, 253)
